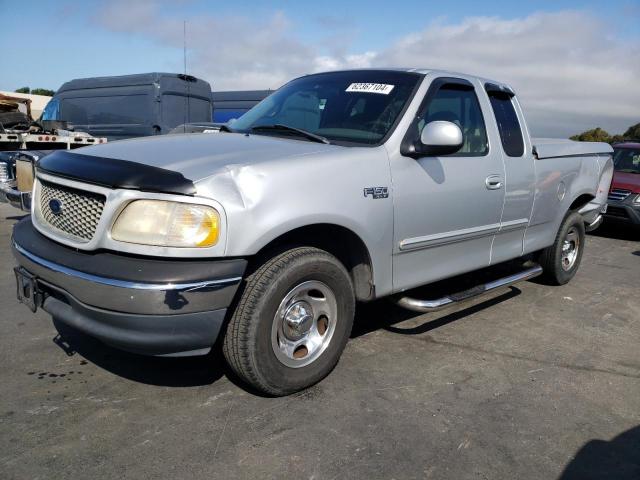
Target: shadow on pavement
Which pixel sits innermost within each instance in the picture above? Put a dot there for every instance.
(163, 371)
(618, 231)
(382, 314)
(17, 218)
(618, 459)
(205, 370)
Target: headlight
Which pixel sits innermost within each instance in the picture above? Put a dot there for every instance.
(637, 200)
(167, 224)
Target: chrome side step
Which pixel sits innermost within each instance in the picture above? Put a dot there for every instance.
(433, 305)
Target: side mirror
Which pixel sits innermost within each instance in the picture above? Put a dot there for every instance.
(440, 138)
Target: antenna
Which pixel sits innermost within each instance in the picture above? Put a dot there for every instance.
(187, 99)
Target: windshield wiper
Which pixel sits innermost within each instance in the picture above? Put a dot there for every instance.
(628, 170)
(299, 131)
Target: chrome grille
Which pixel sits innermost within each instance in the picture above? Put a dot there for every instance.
(618, 194)
(80, 210)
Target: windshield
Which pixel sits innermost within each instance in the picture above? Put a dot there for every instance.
(52, 110)
(626, 160)
(355, 107)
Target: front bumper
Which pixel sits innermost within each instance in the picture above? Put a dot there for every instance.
(624, 211)
(10, 194)
(139, 304)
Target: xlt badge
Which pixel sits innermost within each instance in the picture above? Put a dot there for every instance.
(376, 192)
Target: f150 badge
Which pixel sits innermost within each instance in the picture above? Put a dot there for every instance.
(376, 192)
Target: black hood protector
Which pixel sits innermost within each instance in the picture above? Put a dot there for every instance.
(114, 173)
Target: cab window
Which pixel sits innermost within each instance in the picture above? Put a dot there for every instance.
(508, 124)
(458, 104)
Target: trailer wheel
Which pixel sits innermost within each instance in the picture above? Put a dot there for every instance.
(292, 321)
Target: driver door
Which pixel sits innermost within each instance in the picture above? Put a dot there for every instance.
(447, 208)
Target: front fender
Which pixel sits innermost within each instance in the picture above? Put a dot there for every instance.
(264, 201)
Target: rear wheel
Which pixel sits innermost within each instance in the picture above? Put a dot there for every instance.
(292, 321)
(561, 260)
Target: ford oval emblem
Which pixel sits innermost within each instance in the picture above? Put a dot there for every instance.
(56, 206)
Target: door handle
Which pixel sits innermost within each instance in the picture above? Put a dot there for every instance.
(493, 182)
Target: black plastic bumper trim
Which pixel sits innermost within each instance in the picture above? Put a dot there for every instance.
(123, 283)
(174, 335)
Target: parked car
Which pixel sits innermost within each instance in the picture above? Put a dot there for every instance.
(624, 197)
(130, 106)
(339, 187)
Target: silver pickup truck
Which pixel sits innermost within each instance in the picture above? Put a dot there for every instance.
(340, 187)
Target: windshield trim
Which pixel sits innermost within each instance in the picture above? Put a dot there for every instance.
(346, 143)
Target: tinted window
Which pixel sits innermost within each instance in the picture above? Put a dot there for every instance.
(121, 109)
(460, 106)
(52, 110)
(508, 124)
(354, 107)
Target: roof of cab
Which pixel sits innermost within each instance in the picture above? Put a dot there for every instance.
(427, 71)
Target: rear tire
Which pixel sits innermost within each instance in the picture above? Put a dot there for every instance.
(292, 321)
(561, 260)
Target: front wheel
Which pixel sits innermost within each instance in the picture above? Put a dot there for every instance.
(292, 321)
(561, 260)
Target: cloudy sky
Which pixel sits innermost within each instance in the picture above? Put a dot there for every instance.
(574, 65)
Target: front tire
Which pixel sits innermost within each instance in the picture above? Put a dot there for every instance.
(561, 260)
(292, 321)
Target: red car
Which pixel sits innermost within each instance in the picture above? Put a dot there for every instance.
(624, 196)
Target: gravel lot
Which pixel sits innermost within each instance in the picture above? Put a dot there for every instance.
(533, 382)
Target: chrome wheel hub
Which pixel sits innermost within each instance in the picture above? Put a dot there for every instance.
(570, 249)
(297, 320)
(304, 324)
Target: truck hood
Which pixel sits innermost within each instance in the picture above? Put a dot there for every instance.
(197, 156)
(626, 181)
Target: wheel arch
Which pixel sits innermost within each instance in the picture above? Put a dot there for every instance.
(581, 200)
(340, 241)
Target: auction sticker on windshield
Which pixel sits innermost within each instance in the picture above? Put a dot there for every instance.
(382, 88)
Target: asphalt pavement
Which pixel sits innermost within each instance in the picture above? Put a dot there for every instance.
(533, 382)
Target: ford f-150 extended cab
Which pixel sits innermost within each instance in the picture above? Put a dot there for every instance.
(340, 187)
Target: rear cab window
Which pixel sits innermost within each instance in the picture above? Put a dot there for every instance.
(507, 119)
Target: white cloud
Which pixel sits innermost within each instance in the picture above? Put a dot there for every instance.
(569, 74)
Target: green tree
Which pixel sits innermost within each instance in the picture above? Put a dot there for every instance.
(594, 135)
(600, 135)
(633, 132)
(36, 91)
(43, 91)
